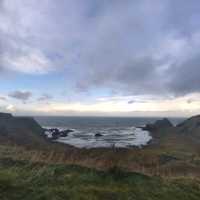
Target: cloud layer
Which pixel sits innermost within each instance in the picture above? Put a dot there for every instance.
(131, 47)
(20, 95)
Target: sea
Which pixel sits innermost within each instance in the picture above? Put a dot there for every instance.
(121, 132)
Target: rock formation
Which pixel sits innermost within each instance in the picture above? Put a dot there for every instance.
(158, 125)
(20, 130)
(55, 133)
(98, 135)
(190, 126)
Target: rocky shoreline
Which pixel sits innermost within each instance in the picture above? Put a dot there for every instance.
(26, 131)
(55, 133)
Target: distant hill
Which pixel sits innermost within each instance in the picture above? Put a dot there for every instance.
(21, 130)
(158, 125)
(184, 136)
(190, 126)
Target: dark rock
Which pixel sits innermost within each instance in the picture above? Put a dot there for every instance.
(158, 125)
(148, 127)
(190, 126)
(65, 133)
(98, 135)
(56, 133)
(163, 123)
(54, 130)
(5, 116)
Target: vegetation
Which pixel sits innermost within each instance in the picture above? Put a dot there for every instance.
(36, 181)
(33, 168)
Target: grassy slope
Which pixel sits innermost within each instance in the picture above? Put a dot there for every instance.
(26, 181)
(172, 157)
(37, 175)
(22, 177)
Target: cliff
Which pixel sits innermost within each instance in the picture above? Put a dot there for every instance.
(21, 130)
(190, 127)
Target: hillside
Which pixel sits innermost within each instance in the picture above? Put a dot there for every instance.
(190, 127)
(23, 131)
(170, 153)
(32, 167)
(27, 181)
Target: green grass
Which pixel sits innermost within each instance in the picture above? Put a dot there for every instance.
(21, 180)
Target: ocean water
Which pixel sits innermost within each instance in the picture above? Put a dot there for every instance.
(115, 131)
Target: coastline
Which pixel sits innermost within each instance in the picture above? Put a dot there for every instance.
(136, 138)
(163, 156)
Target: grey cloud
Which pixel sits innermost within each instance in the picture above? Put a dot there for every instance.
(20, 95)
(127, 46)
(185, 18)
(185, 77)
(2, 98)
(131, 102)
(127, 59)
(45, 97)
(189, 101)
(136, 101)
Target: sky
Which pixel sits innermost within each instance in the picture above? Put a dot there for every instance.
(100, 57)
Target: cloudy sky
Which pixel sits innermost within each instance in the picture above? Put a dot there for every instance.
(100, 57)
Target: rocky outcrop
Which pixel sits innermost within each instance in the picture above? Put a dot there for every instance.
(190, 129)
(158, 125)
(190, 126)
(98, 135)
(65, 133)
(191, 123)
(5, 116)
(52, 133)
(20, 130)
(55, 133)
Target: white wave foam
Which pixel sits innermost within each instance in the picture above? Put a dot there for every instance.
(124, 137)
